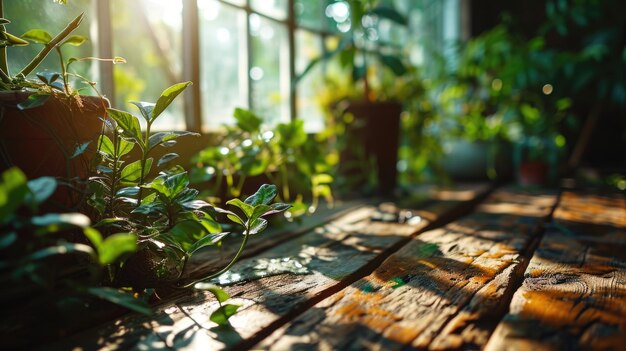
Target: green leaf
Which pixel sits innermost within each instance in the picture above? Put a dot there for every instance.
(188, 232)
(115, 246)
(14, 40)
(390, 14)
(246, 208)
(94, 237)
(132, 171)
(196, 205)
(247, 120)
(7, 240)
(33, 101)
(167, 158)
(128, 123)
(41, 189)
(265, 195)
(57, 221)
(222, 314)
(121, 298)
(233, 217)
(277, 208)
(61, 249)
(393, 63)
(161, 138)
(219, 294)
(124, 147)
(37, 36)
(80, 149)
(75, 40)
(128, 191)
(259, 210)
(166, 98)
(208, 240)
(145, 108)
(48, 77)
(13, 191)
(106, 146)
(258, 226)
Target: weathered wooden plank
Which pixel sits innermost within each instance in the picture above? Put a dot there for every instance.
(574, 291)
(434, 293)
(330, 257)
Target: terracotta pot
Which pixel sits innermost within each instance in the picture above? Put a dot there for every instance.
(42, 140)
(533, 173)
(378, 135)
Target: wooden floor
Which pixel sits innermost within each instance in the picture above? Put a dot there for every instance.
(465, 268)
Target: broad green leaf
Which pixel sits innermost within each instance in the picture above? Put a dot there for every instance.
(128, 123)
(393, 63)
(34, 101)
(247, 120)
(110, 222)
(124, 147)
(13, 190)
(222, 314)
(188, 232)
(322, 178)
(233, 217)
(115, 246)
(132, 171)
(259, 210)
(61, 249)
(277, 208)
(246, 208)
(106, 146)
(145, 108)
(121, 298)
(196, 204)
(75, 40)
(41, 189)
(80, 149)
(208, 240)
(56, 221)
(14, 40)
(94, 237)
(166, 98)
(37, 36)
(128, 191)
(167, 158)
(265, 195)
(211, 225)
(7, 240)
(258, 226)
(162, 138)
(48, 77)
(219, 294)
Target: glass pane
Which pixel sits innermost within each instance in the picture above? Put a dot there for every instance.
(269, 73)
(312, 14)
(309, 47)
(236, 2)
(273, 8)
(223, 72)
(148, 35)
(51, 17)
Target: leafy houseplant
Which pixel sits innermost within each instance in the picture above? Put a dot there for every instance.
(170, 221)
(46, 125)
(286, 156)
(376, 124)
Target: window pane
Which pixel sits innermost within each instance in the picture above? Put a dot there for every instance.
(269, 73)
(273, 8)
(147, 34)
(236, 2)
(223, 72)
(312, 14)
(309, 47)
(51, 17)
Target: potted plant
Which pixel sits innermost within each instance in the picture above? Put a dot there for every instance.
(373, 131)
(46, 125)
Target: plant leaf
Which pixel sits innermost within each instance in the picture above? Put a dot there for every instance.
(75, 40)
(80, 149)
(60, 249)
(222, 314)
(208, 240)
(132, 171)
(115, 246)
(7, 239)
(33, 101)
(196, 205)
(162, 138)
(128, 123)
(56, 221)
(218, 292)
(94, 237)
(121, 298)
(246, 208)
(167, 158)
(14, 40)
(41, 189)
(258, 226)
(393, 63)
(37, 36)
(128, 191)
(145, 108)
(277, 208)
(106, 146)
(166, 98)
(13, 191)
(265, 195)
(390, 14)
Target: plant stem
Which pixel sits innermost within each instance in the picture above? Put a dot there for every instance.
(4, 66)
(53, 43)
(285, 182)
(66, 86)
(144, 156)
(230, 264)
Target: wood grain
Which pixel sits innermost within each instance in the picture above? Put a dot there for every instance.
(438, 292)
(574, 292)
(334, 255)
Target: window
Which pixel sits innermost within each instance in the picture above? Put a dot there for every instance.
(248, 51)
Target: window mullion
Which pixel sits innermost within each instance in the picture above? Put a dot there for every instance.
(191, 66)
